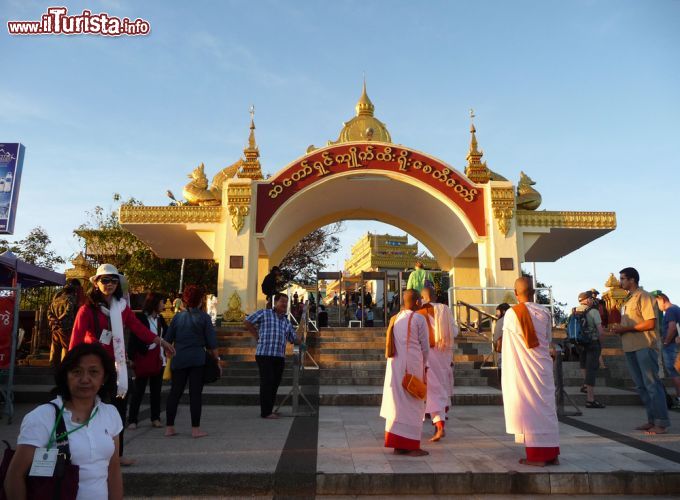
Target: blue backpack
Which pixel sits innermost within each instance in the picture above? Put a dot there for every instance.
(577, 327)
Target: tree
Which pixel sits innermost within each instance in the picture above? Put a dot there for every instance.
(107, 241)
(309, 255)
(542, 297)
(34, 249)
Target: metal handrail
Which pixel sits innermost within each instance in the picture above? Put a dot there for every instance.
(485, 303)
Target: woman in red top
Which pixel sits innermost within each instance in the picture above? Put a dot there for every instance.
(102, 320)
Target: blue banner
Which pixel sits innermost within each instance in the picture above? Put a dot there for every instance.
(11, 164)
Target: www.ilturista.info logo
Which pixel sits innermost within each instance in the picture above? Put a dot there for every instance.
(56, 21)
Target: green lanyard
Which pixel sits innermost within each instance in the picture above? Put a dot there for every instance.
(54, 438)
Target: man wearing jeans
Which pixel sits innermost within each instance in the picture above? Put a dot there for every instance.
(638, 337)
(669, 334)
(271, 330)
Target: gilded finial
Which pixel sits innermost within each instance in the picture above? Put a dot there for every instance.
(251, 166)
(251, 136)
(475, 170)
(473, 140)
(364, 106)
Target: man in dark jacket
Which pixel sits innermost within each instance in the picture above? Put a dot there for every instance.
(61, 314)
(270, 284)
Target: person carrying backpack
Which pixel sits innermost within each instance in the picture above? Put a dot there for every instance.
(585, 328)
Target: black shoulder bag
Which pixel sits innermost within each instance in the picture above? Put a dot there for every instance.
(63, 485)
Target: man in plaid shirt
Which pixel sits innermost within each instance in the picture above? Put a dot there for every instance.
(271, 330)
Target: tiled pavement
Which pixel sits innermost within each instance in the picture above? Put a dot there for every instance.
(242, 456)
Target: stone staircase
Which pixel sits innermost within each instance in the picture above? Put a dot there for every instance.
(351, 363)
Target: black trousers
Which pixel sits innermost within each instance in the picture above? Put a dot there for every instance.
(194, 375)
(271, 371)
(138, 389)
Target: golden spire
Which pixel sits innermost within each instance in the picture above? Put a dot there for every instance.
(251, 137)
(476, 171)
(364, 126)
(251, 166)
(364, 106)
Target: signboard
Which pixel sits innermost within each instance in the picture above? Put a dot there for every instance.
(7, 309)
(363, 158)
(11, 163)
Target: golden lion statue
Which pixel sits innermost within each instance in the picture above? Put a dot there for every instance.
(197, 192)
(527, 197)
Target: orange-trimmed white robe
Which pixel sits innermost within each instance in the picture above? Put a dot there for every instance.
(528, 383)
(440, 370)
(402, 412)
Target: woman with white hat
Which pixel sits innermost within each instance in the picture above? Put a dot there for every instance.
(102, 320)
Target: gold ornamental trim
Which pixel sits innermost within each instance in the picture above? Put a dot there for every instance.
(238, 198)
(238, 214)
(234, 313)
(503, 207)
(169, 215)
(573, 220)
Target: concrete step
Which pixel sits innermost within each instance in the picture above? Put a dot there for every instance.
(340, 395)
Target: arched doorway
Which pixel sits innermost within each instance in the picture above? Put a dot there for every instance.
(373, 181)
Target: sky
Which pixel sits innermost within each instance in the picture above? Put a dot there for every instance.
(584, 96)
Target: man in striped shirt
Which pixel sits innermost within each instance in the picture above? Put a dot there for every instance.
(271, 330)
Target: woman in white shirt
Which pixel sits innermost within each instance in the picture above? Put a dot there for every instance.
(86, 373)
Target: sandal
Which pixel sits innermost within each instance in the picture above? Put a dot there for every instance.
(583, 389)
(594, 404)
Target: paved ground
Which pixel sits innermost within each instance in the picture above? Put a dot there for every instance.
(248, 455)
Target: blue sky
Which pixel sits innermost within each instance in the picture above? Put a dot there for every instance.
(584, 96)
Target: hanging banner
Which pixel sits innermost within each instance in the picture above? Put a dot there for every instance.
(7, 308)
(11, 164)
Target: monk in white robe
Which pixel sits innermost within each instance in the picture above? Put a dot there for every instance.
(404, 413)
(442, 330)
(527, 378)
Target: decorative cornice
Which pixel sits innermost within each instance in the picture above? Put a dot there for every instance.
(503, 206)
(575, 220)
(169, 215)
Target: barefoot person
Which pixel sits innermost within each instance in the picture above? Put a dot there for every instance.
(194, 336)
(102, 320)
(407, 350)
(638, 338)
(528, 384)
(442, 331)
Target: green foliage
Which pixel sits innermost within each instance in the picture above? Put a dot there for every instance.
(309, 255)
(108, 242)
(542, 297)
(34, 249)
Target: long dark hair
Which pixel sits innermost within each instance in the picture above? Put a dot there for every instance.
(71, 361)
(96, 297)
(151, 302)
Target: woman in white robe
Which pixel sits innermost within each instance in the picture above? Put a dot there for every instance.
(402, 412)
(529, 387)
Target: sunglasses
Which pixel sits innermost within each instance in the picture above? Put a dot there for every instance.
(108, 281)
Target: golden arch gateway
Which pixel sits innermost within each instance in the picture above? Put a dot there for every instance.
(479, 226)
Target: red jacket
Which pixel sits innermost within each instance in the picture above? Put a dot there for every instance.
(83, 327)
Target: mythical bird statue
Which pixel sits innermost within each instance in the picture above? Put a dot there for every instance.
(197, 192)
(527, 197)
